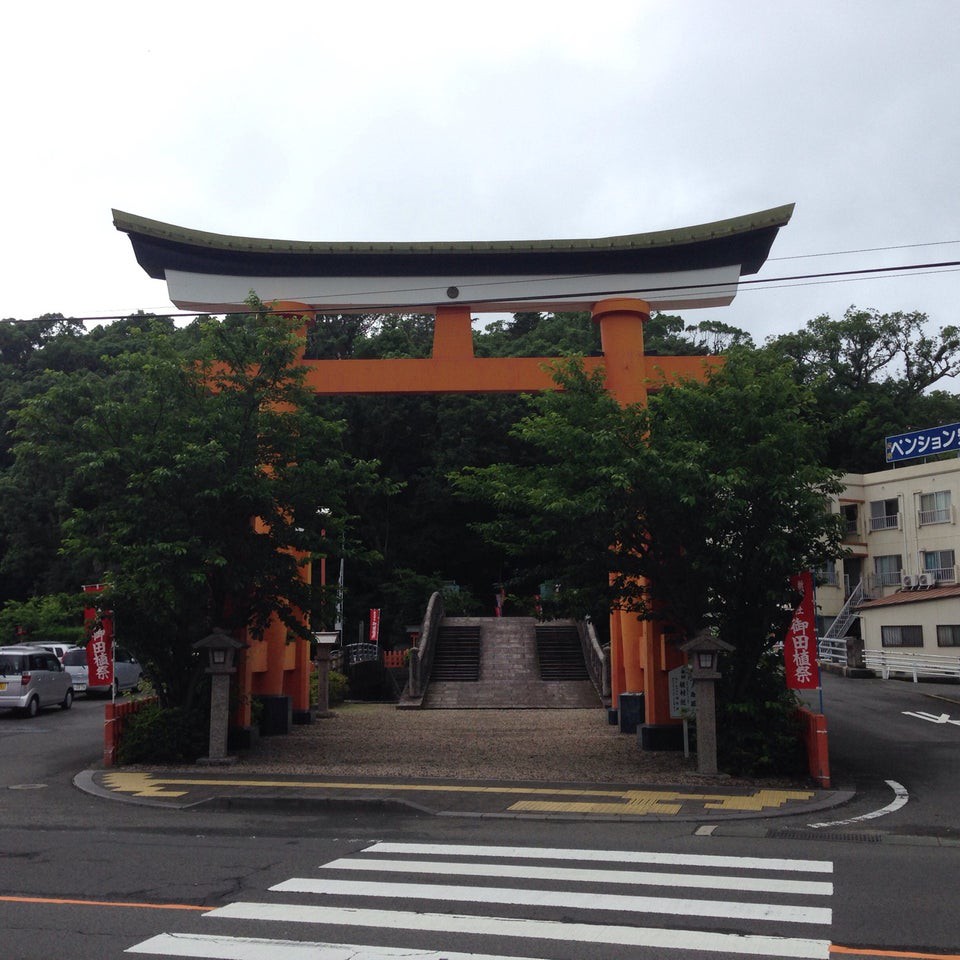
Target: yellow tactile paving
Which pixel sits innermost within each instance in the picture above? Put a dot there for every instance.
(637, 808)
(629, 802)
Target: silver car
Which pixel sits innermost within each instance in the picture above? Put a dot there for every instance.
(32, 678)
(126, 672)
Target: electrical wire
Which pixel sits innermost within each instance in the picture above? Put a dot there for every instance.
(842, 253)
(780, 282)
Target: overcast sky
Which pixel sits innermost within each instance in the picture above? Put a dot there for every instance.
(486, 121)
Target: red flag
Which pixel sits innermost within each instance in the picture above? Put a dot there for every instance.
(100, 645)
(374, 625)
(800, 643)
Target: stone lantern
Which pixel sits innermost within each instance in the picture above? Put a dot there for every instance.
(703, 651)
(221, 651)
(324, 640)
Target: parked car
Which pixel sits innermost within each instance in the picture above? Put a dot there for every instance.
(32, 678)
(75, 663)
(126, 672)
(58, 648)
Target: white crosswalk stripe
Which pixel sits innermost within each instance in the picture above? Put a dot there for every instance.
(460, 868)
(550, 903)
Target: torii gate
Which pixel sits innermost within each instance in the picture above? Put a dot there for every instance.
(619, 280)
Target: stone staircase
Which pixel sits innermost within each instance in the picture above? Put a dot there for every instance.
(559, 652)
(512, 671)
(457, 657)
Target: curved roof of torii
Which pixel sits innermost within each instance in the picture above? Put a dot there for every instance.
(696, 266)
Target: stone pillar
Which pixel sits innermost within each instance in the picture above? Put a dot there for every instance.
(323, 681)
(219, 717)
(705, 688)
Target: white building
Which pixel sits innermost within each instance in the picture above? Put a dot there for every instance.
(900, 575)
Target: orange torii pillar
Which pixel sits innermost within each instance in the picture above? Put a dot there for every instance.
(640, 654)
(276, 663)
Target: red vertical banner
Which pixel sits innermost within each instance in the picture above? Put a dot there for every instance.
(800, 643)
(374, 624)
(100, 643)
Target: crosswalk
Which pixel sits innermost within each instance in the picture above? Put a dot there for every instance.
(425, 901)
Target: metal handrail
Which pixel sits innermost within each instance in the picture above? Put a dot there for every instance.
(832, 647)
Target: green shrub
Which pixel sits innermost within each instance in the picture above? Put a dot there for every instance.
(338, 686)
(163, 735)
(761, 734)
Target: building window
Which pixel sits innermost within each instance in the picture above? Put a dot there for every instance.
(948, 634)
(849, 513)
(885, 514)
(935, 507)
(908, 636)
(826, 574)
(939, 564)
(888, 570)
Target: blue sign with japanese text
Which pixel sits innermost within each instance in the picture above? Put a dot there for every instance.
(923, 443)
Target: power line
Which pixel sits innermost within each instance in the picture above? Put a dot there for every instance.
(834, 276)
(841, 253)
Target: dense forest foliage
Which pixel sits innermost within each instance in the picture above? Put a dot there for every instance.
(108, 434)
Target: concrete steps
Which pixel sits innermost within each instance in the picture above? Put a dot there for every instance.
(457, 657)
(509, 675)
(559, 652)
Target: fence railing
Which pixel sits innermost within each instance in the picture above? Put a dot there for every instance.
(889, 522)
(939, 515)
(913, 664)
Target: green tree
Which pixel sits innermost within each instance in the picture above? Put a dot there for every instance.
(714, 494)
(872, 375)
(539, 335)
(165, 465)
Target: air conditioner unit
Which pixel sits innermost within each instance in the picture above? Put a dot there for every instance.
(926, 580)
(907, 582)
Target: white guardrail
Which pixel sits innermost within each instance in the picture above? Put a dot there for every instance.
(915, 664)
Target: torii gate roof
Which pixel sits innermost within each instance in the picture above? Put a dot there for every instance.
(688, 267)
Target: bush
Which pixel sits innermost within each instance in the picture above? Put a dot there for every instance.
(338, 686)
(763, 735)
(163, 735)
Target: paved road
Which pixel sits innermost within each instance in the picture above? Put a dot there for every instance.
(899, 732)
(93, 878)
(48, 749)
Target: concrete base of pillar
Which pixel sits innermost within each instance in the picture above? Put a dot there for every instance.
(242, 738)
(216, 761)
(276, 713)
(303, 716)
(660, 736)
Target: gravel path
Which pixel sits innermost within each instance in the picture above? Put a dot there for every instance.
(377, 740)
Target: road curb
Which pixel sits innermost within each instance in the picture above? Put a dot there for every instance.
(623, 803)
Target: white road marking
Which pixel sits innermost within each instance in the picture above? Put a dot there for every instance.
(576, 875)
(602, 856)
(932, 717)
(662, 938)
(900, 798)
(261, 948)
(559, 898)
